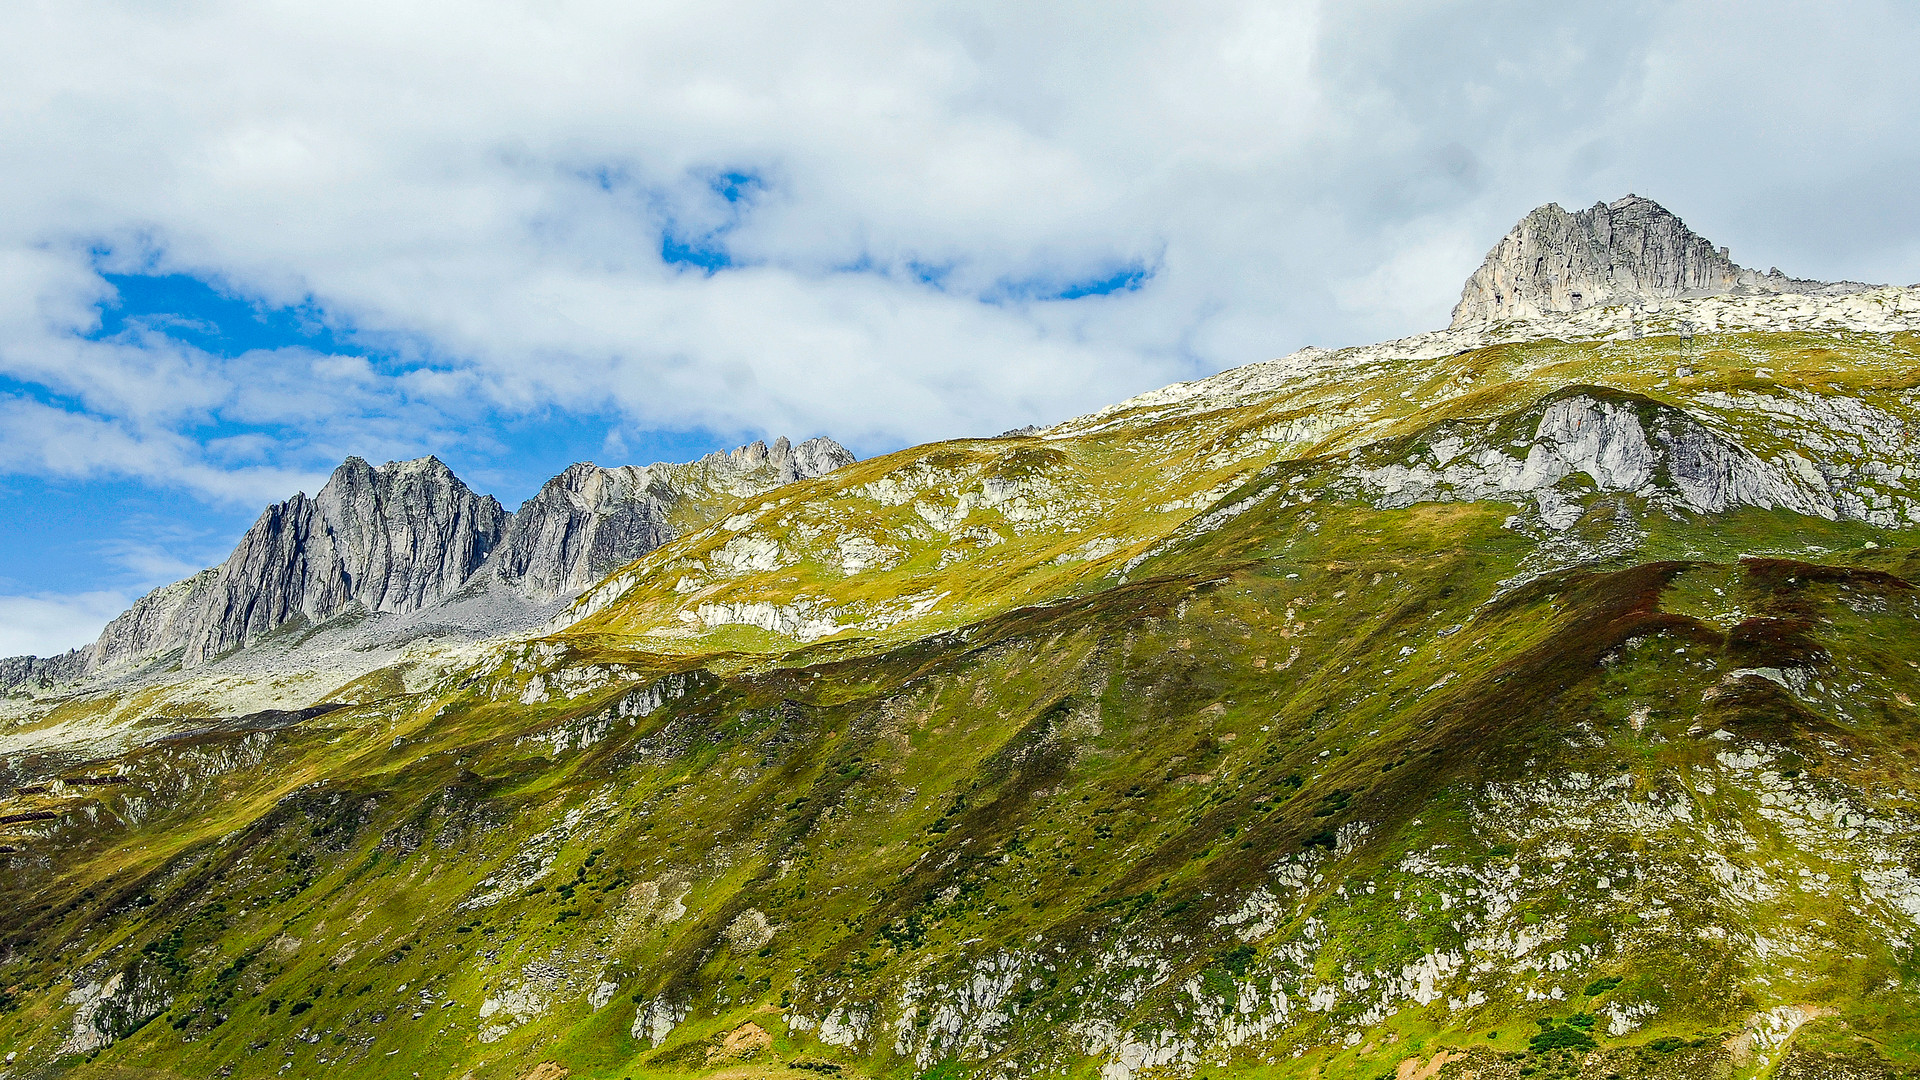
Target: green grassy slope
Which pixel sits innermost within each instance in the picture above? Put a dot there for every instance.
(1172, 742)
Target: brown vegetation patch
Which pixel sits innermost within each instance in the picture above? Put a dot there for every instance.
(1412, 1069)
(740, 1044)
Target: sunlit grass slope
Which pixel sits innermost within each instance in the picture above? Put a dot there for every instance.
(1171, 741)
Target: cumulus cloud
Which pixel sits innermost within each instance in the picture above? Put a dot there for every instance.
(48, 440)
(493, 185)
(51, 623)
(889, 222)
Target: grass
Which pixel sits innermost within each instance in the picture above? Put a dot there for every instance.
(1374, 763)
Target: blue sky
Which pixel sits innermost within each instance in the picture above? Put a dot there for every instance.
(243, 241)
(98, 532)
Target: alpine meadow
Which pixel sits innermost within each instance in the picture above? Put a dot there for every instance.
(1534, 697)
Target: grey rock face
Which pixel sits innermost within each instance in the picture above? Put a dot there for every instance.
(153, 624)
(158, 621)
(410, 536)
(589, 521)
(395, 539)
(1631, 250)
(41, 672)
(755, 467)
(815, 457)
(586, 517)
(1594, 440)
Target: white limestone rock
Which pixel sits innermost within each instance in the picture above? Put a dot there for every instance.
(1631, 250)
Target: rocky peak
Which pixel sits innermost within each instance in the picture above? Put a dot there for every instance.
(392, 538)
(586, 517)
(589, 521)
(407, 535)
(1631, 250)
(783, 462)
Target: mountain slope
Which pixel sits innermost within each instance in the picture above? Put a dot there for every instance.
(1529, 702)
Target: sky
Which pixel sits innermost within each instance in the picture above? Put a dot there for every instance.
(242, 241)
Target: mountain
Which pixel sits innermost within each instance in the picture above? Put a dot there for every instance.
(1629, 251)
(589, 521)
(1534, 699)
(409, 537)
(393, 539)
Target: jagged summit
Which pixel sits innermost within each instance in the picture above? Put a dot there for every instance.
(391, 538)
(409, 537)
(815, 457)
(589, 520)
(1631, 250)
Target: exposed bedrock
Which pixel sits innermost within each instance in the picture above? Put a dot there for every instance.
(1631, 250)
(405, 536)
(1604, 440)
(589, 521)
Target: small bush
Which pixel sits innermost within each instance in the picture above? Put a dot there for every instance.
(1238, 960)
(1333, 803)
(1560, 1037)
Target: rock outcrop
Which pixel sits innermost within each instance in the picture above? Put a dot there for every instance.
(584, 518)
(156, 622)
(394, 539)
(589, 521)
(408, 536)
(1631, 250)
(1595, 440)
(42, 672)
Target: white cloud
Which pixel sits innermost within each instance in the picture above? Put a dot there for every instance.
(42, 439)
(481, 190)
(50, 624)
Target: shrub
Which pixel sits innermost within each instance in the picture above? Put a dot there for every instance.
(1560, 1037)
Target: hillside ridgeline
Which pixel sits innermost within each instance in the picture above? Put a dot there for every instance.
(1527, 699)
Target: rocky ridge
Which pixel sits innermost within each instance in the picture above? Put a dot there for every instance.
(410, 538)
(392, 539)
(1631, 250)
(589, 521)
